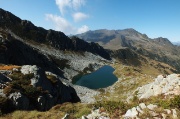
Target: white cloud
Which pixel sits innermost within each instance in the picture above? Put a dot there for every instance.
(61, 24)
(79, 16)
(83, 29)
(73, 4)
(77, 4)
(62, 4)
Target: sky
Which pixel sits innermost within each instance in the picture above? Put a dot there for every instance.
(156, 18)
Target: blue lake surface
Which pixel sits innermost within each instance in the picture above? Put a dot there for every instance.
(101, 78)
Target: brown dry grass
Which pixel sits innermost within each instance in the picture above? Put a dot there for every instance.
(8, 67)
(76, 110)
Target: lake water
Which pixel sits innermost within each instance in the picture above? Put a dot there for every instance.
(101, 78)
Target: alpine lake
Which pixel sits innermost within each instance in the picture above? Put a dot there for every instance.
(100, 78)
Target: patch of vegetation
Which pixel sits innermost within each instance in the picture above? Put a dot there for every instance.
(34, 115)
(8, 67)
(76, 110)
(21, 83)
(113, 106)
(175, 102)
(53, 79)
(61, 63)
(87, 69)
(166, 103)
(20, 76)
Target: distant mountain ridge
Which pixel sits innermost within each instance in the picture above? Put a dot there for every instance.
(176, 43)
(115, 39)
(160, 49)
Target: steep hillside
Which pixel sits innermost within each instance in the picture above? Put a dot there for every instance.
(16, 52)
(160, 49)
(29, 32)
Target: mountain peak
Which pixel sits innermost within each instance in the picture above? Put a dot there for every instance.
(162, 40)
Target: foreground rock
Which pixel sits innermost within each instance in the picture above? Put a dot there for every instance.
(96, 114)
(85, 94)
(31, 88)
(150, 111)
(166, 85)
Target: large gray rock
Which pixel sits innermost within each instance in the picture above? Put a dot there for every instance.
(39, 79)
(169, 85)
(150, 111)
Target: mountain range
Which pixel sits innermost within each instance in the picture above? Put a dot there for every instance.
(160, 49)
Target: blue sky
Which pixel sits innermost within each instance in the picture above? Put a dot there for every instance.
(153, 17)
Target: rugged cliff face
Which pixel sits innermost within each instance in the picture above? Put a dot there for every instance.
(18, 53)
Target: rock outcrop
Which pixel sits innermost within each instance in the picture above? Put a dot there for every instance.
(150, 111)
(162, 85)
(96, 114)
(41, 93)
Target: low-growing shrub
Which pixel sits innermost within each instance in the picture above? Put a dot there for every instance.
(52, 79)
(175, 102)
(112, 106)
(7, 90)
(76, 110)
(19, 76)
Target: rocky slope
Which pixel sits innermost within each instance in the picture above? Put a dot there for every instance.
(162, 85)
(160, 49)
(27, 31)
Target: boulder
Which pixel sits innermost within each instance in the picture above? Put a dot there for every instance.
(39, 79)
(142, 106)
(132, 113)
(169, 85)
(151, 106)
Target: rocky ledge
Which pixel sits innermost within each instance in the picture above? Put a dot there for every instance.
(162, 85)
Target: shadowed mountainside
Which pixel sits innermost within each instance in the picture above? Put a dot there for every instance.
(29, 32)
